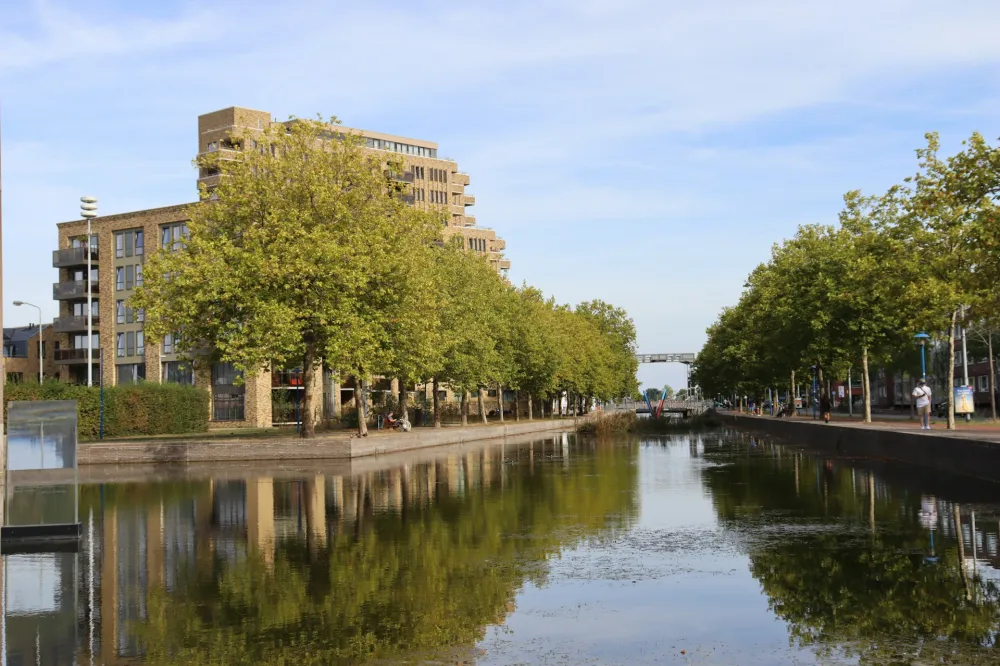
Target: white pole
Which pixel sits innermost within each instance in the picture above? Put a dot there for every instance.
(41, 355)
(90, 315)
(965, 365)
(850, 394)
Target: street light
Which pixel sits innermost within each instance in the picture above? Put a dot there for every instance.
(922, 338)
(40, 356)
(88, 210)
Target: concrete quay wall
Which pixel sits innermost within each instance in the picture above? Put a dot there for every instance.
(322, 447)
(961, 455)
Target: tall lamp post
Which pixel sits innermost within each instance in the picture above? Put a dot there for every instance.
(41, 358)
(922, 338)
(88, 210)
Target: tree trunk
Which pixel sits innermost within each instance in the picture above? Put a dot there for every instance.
(951, 372)
(465, 408)
(791, 392)
(530, 410)
(993, 374)
(482, 406)
(401, 398)
(517, 405)
(500, 400)
(866, 385)
(309, 393)
(359, 400)
(437, 405)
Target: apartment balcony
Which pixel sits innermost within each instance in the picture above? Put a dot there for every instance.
(460, 177)
(62, 291)
(407, 198)
(470, 221)
(74, 324)
(456, 188)
(74, 356)
(499, 245)
(74, 256)
(469, 200)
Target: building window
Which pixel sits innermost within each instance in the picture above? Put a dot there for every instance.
(15, 377)
(171, 342)
(120, 278)
(227, 396)
(140, 343)
(120, 312)
(984, 383)
(131, 373)
(140, 315)
(173, 236)
(120, 345)
(212, 146)
(138, 275)
(178, 372)
(958, 358)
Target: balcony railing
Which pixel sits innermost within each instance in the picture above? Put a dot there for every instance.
(74, 256)
(76, 355)
(407, 198)
(73, 289)
(74, 324)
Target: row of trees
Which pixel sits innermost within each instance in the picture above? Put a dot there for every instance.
(924, 256)
(306, 253)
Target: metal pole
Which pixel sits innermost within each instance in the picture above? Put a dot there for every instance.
(814, 395)
(923, 361)
(90, 315)
(41, 351)
(850, 394)
(100, 433)
(965, 365)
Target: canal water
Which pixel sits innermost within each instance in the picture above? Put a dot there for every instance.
(719, 548)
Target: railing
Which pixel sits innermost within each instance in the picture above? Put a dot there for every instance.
(74, 256)
(74, 289)
(72, 324)
(407, 198)
(76, 355)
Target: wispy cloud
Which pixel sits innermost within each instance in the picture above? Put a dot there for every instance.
(659, 134)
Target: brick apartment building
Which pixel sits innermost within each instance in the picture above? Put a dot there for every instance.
(120, 242)
(20, 350)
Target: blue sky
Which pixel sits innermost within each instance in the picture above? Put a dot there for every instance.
(644, 152)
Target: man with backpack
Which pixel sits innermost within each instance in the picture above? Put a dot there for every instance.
(923, 395)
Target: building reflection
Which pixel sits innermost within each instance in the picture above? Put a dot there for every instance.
(145, 541)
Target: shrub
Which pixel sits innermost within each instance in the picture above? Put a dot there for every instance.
(129, 411)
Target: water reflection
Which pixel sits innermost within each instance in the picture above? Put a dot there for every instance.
(334, 567)
(739, 550)
(859, 567)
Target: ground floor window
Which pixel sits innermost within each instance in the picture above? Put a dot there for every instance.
(131, 373)
(178, 372)
(228, 403)
(15, 377)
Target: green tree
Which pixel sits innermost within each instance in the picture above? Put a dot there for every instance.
(299, 257)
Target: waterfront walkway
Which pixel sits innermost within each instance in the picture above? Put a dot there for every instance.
(980, 430)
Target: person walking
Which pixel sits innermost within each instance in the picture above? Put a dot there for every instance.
(922, 392)
(824, 406)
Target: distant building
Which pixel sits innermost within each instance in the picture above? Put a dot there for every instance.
(20, 350)
(119, 244)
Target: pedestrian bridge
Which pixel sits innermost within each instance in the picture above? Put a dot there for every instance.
(682, 407)
(685, 358)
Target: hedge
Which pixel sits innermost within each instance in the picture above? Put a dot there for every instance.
(129, 411)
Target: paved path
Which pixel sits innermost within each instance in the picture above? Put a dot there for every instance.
(978, 430)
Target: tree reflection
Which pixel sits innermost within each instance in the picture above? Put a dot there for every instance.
(414, 559)
(846, 563)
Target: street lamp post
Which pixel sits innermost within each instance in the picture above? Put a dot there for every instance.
(88, 210)
(41, 358)
(922, 338)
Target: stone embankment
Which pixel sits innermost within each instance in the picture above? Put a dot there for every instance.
(322, 447)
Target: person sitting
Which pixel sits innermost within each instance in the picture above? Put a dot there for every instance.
(390, 422)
